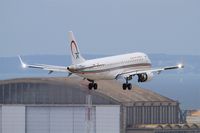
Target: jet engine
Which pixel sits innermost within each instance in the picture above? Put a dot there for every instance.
(145, 77)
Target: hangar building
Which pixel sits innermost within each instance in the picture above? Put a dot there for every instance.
(65, 105)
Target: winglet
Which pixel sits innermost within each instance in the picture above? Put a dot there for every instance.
(22, 63)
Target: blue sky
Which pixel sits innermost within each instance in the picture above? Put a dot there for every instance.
(101, 27)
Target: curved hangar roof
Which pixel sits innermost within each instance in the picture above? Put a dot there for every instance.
(76, 89)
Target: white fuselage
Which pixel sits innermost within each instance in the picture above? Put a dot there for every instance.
(109, 67)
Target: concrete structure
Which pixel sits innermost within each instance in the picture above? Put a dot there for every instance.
(193, 116)
(165, 128)
(54, 105)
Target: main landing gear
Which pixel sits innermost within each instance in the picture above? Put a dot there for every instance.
(127, 85)
(92, 85)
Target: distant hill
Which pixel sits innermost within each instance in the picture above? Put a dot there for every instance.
(181, 85)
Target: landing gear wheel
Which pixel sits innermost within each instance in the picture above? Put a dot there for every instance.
(95, 86)
(90, 85)
(129, 86)
(124, 86)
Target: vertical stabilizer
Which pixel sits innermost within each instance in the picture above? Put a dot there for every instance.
(75, 53)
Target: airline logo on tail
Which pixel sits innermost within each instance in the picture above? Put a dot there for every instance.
(74, 50)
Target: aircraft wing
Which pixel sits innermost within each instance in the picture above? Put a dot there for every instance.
(158, 70)
(50, 68)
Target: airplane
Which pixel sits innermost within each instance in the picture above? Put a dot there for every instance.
(124, 66)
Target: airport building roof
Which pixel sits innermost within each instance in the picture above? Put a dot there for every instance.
(109, 89)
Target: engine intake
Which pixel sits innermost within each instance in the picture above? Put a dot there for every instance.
(145, 77)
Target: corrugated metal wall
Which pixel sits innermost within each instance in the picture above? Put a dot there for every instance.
(107, 119)
(152, 113)
(59, 119)
(13, 119)
(41, 93)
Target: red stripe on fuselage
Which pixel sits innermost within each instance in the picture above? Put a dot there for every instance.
(81, 71)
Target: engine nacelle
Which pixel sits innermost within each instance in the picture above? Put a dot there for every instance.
(145, 77)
